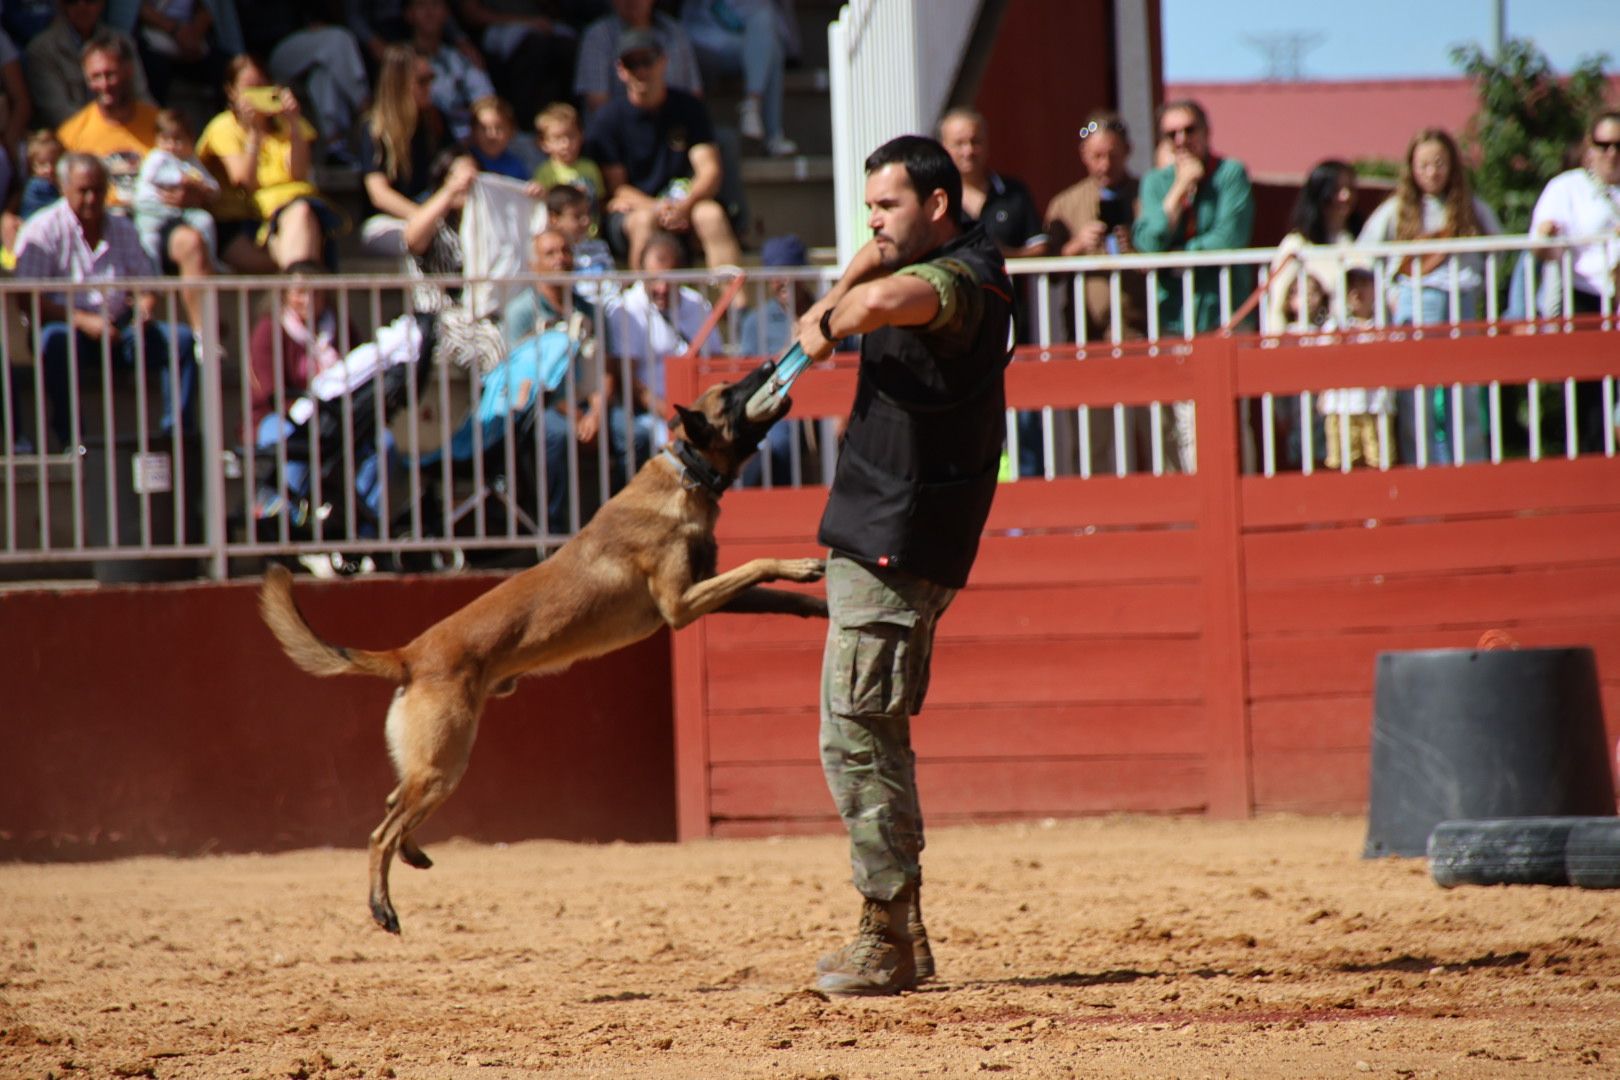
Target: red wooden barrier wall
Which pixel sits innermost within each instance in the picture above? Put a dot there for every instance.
(1172, 643)
(164, 719)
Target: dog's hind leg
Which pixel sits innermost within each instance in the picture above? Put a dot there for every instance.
(431, 727)
(411, 855)
(419, 797)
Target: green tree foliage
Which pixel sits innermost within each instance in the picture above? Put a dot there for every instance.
(1529, 118)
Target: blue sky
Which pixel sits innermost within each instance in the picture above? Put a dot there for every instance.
(1208, 40)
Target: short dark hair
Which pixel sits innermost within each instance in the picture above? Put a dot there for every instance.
(566, 197)
(928, 167)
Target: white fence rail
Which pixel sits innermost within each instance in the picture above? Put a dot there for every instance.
(141, 454)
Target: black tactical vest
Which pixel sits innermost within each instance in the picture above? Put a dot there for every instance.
(918, 463)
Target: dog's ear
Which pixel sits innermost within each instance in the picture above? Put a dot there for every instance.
(695, 427)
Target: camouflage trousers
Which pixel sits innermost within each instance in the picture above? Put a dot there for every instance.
(874, 674)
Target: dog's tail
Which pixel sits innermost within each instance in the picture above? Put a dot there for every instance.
(309, 652)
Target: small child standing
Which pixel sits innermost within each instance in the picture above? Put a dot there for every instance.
(562, 140)
(1363, 411)
(44, 151)
(169, 169)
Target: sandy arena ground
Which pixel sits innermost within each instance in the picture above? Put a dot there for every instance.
(1120, 947)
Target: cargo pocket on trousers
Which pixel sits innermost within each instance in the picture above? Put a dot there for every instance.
(875, 681)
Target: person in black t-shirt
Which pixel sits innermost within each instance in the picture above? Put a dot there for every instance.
(659, 160)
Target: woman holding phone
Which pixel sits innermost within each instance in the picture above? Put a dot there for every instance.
(270, 213)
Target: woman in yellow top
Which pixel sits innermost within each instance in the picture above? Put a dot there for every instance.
(270, 214)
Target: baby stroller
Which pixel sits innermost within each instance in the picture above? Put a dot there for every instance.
(302, 460)
(507, 463)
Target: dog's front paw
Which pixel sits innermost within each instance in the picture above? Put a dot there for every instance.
(803, 569)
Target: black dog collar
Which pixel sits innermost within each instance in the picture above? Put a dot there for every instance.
(695, 471)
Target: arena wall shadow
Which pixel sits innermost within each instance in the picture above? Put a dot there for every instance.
(165, 720)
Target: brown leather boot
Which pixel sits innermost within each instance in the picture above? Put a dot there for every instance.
(920, 952)
(879, 960)
(922, 955)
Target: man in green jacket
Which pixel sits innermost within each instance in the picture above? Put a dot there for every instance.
(1199, 202)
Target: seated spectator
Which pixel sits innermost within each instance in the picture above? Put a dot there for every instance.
(768, 329)
(193, 38)
(647, 323)
(546, 304)
(458, 81)
(121, 130)
(44, 151)
(75, 239)
(323, 58)
(310, 344)
(259, 150)
(55, 68)
(747, 38)
(433, 242)
(491, 142)
(404, 136)
(1579, 203)
(548, 307)
(170, 192)
(1324, 214)
(595, 78)
(562, 140)
(659, 160)
(568, 211)
(1433, 200)
(531, 56)
(117, 125)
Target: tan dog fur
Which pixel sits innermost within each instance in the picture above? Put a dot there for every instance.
(646, 560)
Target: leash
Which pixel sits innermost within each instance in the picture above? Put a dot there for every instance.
(696, 473)
(789, 366)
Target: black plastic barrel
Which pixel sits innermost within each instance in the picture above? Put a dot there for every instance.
(139, 473)
(1461, 733)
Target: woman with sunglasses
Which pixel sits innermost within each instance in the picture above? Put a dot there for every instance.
(1581, 203)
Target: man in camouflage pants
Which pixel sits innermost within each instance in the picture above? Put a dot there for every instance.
(916, 474)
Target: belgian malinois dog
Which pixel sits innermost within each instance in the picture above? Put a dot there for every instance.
(646, 560)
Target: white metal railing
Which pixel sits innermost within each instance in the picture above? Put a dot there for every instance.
(99, 471)
(891, 67)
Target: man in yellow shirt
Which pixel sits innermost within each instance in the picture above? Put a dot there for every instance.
(120, 129)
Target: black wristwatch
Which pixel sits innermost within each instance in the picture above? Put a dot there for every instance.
(826, 324)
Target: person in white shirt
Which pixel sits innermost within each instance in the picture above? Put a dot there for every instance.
(646, 323)
(1579, 204)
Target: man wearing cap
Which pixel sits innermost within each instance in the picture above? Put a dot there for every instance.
(916, 474)
(658, 157)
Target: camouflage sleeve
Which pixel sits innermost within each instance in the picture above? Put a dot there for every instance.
(961, 304)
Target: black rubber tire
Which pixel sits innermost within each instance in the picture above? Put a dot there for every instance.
(1501, 851)
(1592, 856)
